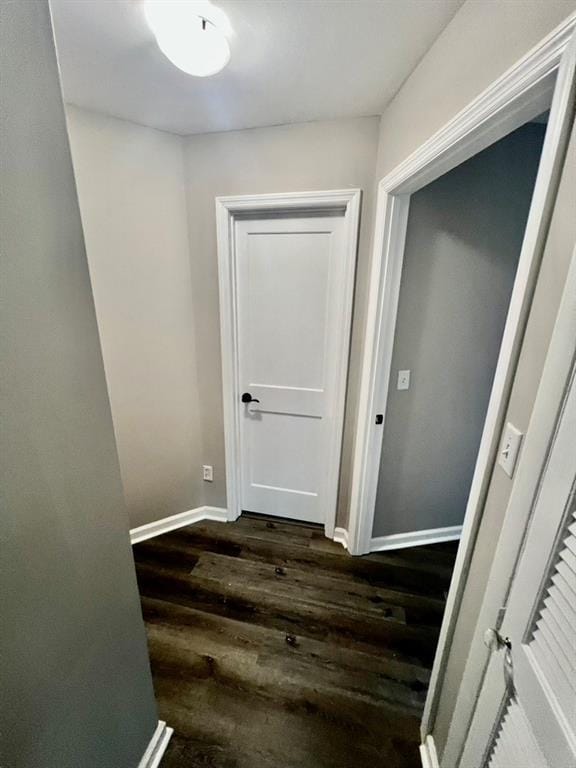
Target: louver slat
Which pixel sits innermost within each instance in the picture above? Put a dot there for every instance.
(515, 745)
(564, 635)
(568, 573)
(557, 681)
(560, 591)
(553, 640)
(561, 684)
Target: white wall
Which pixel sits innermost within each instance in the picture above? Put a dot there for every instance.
(133, 204)
(308, 156)
(463, 242)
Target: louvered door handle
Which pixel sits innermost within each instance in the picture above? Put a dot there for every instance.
(494, 640)
(509, 669)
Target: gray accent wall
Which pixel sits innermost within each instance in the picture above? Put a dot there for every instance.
(463, 242)
(75, 684)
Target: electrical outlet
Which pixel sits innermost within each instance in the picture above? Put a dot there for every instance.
(207, 473)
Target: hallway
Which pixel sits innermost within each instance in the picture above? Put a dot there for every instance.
(271, 646)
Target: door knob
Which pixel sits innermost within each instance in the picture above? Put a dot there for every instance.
(494, 640)
(247, 398)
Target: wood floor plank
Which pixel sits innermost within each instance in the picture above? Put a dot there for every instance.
(418, 609)
(312, 536)
(287, 582)
(277, 677)
(387, 571)
(242, 732)
(296, 617)
(277, 530)
(355, 670)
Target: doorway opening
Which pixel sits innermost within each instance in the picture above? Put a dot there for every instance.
(463, 241)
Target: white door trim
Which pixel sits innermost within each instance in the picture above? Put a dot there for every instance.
(428, 755)
(227, 210)
(520, 94)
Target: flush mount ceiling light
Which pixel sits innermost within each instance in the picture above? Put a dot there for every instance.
(191, 33)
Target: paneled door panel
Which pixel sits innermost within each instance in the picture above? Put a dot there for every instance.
(289, 278)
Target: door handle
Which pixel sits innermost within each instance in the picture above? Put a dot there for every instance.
(247, 398)
(495, 642)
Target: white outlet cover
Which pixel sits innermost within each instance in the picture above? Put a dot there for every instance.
(207, 473)
(509, 449)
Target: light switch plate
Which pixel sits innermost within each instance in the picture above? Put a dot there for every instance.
(403, 380)
(509, 449)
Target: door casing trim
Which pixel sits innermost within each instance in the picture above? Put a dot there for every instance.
(228, 209)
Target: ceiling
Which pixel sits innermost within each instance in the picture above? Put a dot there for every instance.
(292, 61)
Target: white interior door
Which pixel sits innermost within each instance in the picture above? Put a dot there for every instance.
(526, 713)
(292, 311)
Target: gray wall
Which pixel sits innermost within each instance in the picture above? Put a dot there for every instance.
(560, 244)
(463, 241)
(75, 686)
(309, 156)
(133, 205)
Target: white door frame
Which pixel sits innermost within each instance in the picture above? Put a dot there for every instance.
(516, 97)
(228, 209)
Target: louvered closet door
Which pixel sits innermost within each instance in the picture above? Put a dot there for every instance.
(534, 720)
(515, 745)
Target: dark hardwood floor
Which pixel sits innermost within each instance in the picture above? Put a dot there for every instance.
(271, 647)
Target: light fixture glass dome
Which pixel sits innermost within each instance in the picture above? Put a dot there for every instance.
(190, 33)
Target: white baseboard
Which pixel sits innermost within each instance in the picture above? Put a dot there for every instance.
(341, 537)
(415, 538)
(157, 746)
(174, 522)
(428, 753)
(218, 514)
